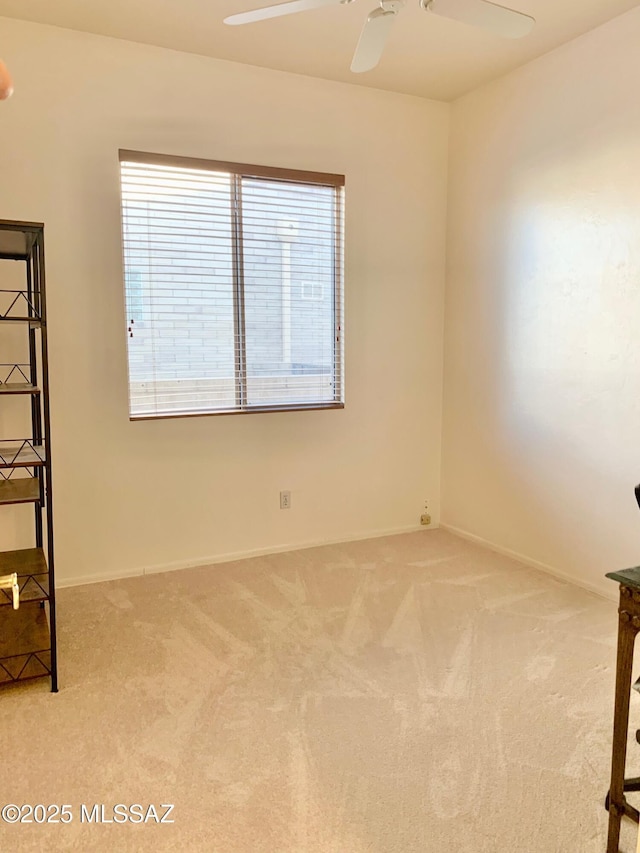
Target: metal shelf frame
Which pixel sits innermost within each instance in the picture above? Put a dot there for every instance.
(28, 642)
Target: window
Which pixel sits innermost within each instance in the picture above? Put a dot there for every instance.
(134, 295)
(233, 286)
(312, 290)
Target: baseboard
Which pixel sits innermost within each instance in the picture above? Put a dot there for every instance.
(601, 591)
(234, 556)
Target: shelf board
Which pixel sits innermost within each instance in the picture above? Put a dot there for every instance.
(17, 238)
(22, 491)
(18, 388)
(30, 564)
(25, 647)
(34, 322)
(21, 453)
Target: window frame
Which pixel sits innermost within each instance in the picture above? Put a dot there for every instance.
(237, 172)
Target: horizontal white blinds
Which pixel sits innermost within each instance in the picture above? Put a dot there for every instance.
(233, 286)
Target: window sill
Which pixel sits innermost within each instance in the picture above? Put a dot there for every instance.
(254, 410)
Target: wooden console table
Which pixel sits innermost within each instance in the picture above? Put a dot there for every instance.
(628, 628)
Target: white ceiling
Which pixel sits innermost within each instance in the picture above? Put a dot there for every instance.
(426, 55)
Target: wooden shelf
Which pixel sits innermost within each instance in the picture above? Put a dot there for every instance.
(34, 322)
(25, 646)
(18, 388)
(30, 564)
(21, 453)
(22, 491)
(16, 240)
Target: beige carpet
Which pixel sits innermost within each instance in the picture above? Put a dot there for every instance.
(413, 694)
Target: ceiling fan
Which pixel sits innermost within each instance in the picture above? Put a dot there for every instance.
(481, 13)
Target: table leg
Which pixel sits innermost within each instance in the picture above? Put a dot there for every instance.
(626, 638)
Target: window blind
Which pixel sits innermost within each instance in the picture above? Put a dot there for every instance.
(233, 286)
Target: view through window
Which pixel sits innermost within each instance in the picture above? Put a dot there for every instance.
(233, 285)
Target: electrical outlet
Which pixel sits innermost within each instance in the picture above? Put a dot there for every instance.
(425, 518)
(285, 500)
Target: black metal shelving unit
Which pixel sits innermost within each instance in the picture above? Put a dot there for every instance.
(28, 634)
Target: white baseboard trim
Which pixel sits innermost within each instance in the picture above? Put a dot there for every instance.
(234, 556)
(601, 591)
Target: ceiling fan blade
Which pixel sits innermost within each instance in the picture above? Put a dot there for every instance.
(372, 40)
(280, 9)
(480, 13)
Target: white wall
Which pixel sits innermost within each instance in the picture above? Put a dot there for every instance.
(136, 495)
(542, 336)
